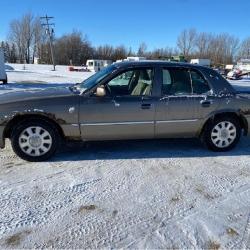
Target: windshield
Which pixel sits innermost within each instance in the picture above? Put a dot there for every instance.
(96, 78)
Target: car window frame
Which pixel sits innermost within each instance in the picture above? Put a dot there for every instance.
(123, 70)
(188, 69)
(174, 67)
(203, 77)
(121, 74)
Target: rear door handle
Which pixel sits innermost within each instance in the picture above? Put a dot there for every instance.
(206, 103)
(146, 106)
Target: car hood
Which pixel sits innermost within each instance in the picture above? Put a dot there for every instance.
(34, 94)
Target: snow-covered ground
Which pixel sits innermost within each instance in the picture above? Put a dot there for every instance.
(137, 194)
(31, 73)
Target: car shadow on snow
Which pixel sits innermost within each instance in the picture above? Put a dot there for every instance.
(143, 149)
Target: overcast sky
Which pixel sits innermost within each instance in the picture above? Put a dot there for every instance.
(130, 22)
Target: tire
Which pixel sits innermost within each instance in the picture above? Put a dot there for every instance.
(5, 81)
(35, 140)
(222, 134)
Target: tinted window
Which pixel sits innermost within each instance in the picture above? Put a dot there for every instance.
(176, 81)
(199, 84)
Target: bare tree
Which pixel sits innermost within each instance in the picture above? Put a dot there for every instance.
(142, 50)
(120, 52)
(27, 39)
(72, 48)
(15, 36)
(244, 50)
(26, 34)
(223, 48)
(186, 41)
(162, 53)
(39, 37)
(202, 43)
(104, 52)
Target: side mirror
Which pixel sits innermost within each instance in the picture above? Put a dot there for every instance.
(100, 91)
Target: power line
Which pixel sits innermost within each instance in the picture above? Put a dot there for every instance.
(50, 32)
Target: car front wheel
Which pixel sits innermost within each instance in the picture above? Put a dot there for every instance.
(222, 134)
(34, 140)
(5, 81)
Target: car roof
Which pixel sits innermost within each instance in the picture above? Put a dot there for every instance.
(208, 72)
(126, 64)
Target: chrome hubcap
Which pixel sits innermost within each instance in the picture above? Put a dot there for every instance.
(223, 134)
(35, 141)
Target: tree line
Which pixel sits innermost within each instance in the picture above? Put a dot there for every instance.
(28, 39)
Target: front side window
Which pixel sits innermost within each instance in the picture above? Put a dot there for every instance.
(136, 82)
(167, 81)
(96, 78)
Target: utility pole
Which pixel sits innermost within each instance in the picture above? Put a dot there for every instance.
(50, 32)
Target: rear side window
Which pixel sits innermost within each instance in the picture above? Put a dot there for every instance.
(199, 84)
(176, 81)
(180, 81)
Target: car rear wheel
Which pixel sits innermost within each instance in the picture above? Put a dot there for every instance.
(34, 140)
(222, 134)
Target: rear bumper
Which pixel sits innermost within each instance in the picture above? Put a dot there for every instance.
(2, 139)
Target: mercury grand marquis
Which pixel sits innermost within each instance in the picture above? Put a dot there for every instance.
(129, 100)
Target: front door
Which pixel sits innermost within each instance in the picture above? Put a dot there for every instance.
(126, 111)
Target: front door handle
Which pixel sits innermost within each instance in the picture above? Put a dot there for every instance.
(146, 106)
(206, 103)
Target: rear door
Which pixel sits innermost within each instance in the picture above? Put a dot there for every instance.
(184, 103)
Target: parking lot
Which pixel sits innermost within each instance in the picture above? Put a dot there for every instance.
(131, 194)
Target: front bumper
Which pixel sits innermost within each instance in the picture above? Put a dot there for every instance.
(2, 139)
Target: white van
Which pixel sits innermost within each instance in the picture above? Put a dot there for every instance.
(96, 65)
(202, 62)
(3, 75)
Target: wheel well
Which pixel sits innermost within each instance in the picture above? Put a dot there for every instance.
(21, 118)
(240, 118)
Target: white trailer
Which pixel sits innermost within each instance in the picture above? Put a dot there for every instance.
(202, 62)
(3, 75)
(244, 65)
(136, 58)
(96, 65)
(132, 59)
